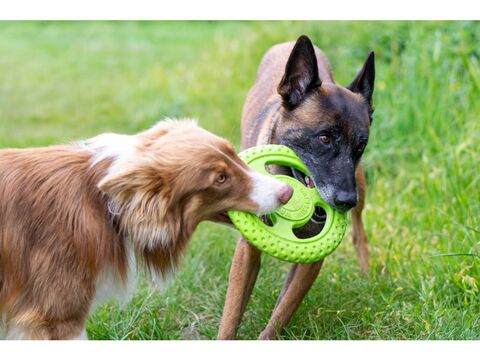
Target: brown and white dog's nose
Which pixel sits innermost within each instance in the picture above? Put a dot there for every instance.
(269, 193)
(285, 193)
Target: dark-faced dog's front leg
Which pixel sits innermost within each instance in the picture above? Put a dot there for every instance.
(299, 281)
(302, 276)
(243, 274)
(359, 236)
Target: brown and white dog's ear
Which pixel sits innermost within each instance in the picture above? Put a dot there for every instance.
(301, 73)
(365, 79)
(119, 185)
(122, 184)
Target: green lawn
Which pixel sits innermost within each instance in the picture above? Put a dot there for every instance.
(61, 81)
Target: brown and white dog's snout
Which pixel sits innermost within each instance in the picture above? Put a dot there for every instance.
(269, 193)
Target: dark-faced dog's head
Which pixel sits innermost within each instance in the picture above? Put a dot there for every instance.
(325, 124)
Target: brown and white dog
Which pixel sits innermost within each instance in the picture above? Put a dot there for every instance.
(77, 220)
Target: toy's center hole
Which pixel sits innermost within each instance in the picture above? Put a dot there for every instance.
(314, 226)
(275, 169)
(311, 228)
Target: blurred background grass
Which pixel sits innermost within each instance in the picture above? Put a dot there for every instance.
(61, 81)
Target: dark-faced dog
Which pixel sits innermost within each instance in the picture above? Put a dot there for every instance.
(296, 102)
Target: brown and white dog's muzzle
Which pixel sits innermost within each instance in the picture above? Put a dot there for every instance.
(269, 193)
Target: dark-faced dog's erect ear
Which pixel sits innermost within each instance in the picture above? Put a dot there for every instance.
(301, 73)
(364, 81)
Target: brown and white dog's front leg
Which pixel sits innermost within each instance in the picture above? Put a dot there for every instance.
(243, 274)
(298, 283)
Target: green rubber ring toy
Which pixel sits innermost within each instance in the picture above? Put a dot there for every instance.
(279, 240)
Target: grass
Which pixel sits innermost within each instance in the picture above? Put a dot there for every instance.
(67, 80)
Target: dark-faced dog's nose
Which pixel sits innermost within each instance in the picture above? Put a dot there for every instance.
(345, 200)
(285, 193)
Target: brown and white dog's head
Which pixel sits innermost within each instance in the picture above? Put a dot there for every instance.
(164, 181)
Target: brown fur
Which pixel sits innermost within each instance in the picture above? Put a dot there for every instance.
(67, 218)
(52, 246)
(265, 120)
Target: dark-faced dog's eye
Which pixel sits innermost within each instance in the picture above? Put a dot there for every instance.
(221, 178)
(361, 147)
(359, 150)
(325, 139)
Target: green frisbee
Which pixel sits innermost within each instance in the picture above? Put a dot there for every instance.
(279, 239)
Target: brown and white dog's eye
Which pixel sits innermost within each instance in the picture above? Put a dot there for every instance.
(221, 178)
(325, 139)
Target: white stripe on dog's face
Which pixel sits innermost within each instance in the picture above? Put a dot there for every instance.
(265, 192)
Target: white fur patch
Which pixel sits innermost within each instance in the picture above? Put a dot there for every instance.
(265, 192)
(110, 287)
(12, 332)
(82, 336)
(3, 324)
(18, 333)
(151, 238)
(109, 145)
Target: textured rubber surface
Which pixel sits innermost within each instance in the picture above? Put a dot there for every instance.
(279, 240)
